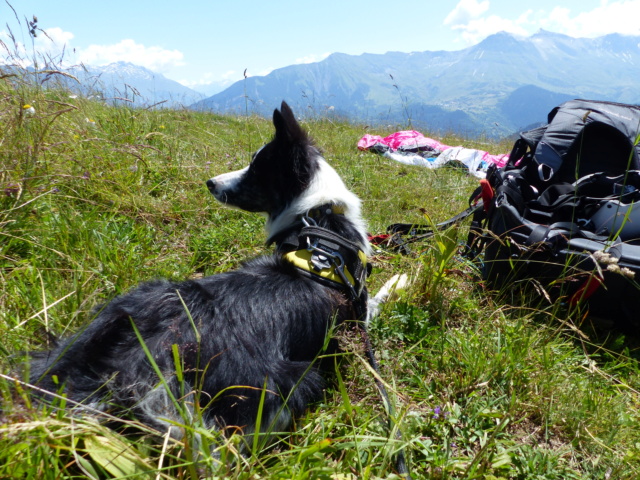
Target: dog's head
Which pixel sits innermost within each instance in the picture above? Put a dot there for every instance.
(286, 179)
(278, 173)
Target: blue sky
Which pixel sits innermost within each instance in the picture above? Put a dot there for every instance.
(202, 41)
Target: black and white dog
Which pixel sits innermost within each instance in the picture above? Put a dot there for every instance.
(239, 338)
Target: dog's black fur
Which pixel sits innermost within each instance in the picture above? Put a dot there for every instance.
(263, 324)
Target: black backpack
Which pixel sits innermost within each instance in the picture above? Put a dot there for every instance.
(564, 213)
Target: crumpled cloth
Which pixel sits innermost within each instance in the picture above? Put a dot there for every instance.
(413, 148)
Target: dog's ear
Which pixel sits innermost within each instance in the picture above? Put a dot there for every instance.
(292, 142)
(287, 128)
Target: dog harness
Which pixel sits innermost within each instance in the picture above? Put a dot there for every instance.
(324, 255)
(330, 257)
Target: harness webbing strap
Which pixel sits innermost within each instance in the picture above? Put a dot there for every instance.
(302, 259)
(331, 257)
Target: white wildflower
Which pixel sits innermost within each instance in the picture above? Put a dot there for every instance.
(627, 272)
(604, 258)
(612, 267)
(28, 110)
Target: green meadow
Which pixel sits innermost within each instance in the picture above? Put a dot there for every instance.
(486, 385)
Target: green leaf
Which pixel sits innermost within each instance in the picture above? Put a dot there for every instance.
(87, 467)
(115, 456)
(501, 460)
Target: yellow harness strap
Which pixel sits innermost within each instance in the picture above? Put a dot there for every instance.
(302, 260)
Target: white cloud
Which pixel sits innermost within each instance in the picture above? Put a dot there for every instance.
(465, 11)
(154, 58)
(312, 58)
(261, 73)
(49, 46)
(478, 29)
(53, 39)
(609, 17)
(56, 45)
(468, 17)
(618, 16)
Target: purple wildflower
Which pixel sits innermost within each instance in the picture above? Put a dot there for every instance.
(12, 189)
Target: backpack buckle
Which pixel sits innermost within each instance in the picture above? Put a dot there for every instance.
(545, 172)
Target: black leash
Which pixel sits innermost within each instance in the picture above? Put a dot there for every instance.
(402, 234)
(315, 250)
(401, 461)
(422, 232)
(358, 297)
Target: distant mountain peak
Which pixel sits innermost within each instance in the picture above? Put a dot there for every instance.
(548, 34)
(124, 63)
(128, 68)
(147, 87)
(501, 41)
(494, 88)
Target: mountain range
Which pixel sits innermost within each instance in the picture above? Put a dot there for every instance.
(121, 82)
(504, 84)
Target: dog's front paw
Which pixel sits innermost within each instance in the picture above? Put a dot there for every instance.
(389, 291)
(392, 287)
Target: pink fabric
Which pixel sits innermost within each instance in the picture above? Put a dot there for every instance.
(413, 139)
(500, 160)
(369, 141)
(405, 138)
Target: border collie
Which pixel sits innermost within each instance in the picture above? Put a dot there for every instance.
(240, 338)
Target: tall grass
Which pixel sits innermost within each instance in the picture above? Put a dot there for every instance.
(96, 199)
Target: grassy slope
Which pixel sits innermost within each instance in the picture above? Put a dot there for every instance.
(97, 199)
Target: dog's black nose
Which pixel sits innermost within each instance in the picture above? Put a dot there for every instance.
(211, 184)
